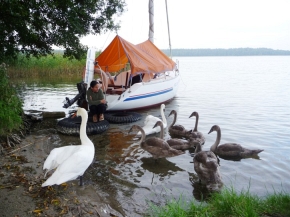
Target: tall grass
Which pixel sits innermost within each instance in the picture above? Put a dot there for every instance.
(44, 67)
(10, 104)
(226, 203)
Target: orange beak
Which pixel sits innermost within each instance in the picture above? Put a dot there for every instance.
(74, 115)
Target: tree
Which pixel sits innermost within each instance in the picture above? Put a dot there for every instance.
(34, 26)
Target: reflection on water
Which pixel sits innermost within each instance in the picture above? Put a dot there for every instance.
(246, 96)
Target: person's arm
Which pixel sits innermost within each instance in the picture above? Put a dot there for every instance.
(90, 99)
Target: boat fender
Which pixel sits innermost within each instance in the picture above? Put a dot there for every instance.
(71, 126)
(122, 117)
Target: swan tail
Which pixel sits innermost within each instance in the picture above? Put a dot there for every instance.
(257, 151)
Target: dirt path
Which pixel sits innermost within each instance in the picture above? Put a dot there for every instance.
(21, 194)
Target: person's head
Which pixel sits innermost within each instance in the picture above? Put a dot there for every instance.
(94, 85)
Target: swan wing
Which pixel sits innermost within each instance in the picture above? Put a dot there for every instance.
(72, 167)
(59, 155)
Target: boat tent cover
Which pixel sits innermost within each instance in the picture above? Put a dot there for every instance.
(144, 57)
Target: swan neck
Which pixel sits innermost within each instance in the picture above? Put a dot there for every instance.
(174, 119)
(142, 134)
(83, 129)
(163, 116)
(217, 141)
(196, 123)
(161, 131)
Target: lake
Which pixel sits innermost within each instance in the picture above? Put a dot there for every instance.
(248, 97)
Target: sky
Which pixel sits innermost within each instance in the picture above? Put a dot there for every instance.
(211, 24)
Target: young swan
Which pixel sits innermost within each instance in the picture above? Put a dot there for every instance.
(179, 144)
(230, 150)
(157, 147)
(195, 134)
(207, 168)
(176, 130)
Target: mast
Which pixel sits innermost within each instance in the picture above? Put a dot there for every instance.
(168, 28)
(151, 20)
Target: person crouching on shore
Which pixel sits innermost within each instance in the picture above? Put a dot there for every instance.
(97, 103)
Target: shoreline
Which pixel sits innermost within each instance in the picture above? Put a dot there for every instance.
(21, 193)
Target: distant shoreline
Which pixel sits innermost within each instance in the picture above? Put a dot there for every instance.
(227, 52)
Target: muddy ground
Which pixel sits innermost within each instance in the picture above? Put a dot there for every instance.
(21, 194)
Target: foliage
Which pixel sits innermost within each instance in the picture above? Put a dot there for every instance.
(10, 104)
(33, 27)
(226, 203)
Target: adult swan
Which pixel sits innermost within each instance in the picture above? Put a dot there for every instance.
(151, 120)
(72, 161)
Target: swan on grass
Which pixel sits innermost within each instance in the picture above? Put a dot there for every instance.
(230, 150)
(179, 144)
(176, 130)
(150, 121)
(206, 165)
(70, 162)
(157, 147)
(195, 134)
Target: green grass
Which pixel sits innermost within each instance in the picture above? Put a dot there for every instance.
(47, 66)
(10, 104)
(226, 203)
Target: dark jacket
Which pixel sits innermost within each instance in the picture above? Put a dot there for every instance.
(94, 98)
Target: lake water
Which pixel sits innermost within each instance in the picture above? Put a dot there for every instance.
(248, 97)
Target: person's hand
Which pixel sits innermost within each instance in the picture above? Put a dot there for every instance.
(103, 101)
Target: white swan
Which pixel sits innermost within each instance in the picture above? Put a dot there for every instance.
(207, 168)
(230, 150)
(157, 147)
(151, 120)
(70, 162)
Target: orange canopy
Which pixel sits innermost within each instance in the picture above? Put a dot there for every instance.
(144, 57)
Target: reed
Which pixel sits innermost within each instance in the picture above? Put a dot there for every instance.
(226, 203)
(46, 66)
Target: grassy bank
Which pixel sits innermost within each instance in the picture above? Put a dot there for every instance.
(46, 67)
(226, 203)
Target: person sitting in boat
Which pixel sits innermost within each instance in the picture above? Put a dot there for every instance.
(97, 103)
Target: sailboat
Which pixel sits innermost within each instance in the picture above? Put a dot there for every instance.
(133, 76)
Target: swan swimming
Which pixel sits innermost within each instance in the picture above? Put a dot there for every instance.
(206, 165)
(195, 134)
(230, 150)
(72, 161)
(157, 147)
(150, 121)
(178, 144)
(176, 130)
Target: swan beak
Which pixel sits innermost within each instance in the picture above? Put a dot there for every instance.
(74, 115)
(210, 131)
(130, 130)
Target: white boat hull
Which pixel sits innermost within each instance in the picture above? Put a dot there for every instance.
(144, 94)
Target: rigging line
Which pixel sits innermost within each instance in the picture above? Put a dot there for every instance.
(106, 41)
(168, 29)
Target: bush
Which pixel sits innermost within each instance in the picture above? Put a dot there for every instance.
(10, 104)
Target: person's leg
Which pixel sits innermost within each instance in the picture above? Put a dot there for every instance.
(94, 111)
(101, 108)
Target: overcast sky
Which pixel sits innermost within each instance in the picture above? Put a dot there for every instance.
(205, 24)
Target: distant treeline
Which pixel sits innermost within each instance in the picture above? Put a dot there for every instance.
(226, 52)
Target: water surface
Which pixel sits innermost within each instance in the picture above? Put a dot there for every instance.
(248, 97)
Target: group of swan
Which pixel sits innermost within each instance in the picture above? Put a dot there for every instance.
(70, 162)
(205, 162)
